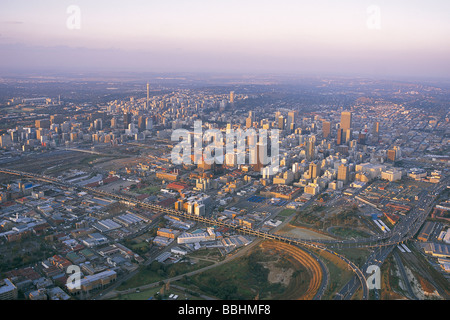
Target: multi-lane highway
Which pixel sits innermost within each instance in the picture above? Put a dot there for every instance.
(405, 229)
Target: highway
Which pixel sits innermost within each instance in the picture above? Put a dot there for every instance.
(405, 229)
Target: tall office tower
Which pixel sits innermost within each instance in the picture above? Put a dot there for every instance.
(348, 135)
(142, 123)
(398, 152)
(343, 173)
(14, 136)
(310, 144)
(314, 170)
(56, 119)
(277, 115)
(362, 138)
(98, 124)
(259, 159)
(394, 154)
(149, 123)
(113, 123)
(232, 97)
(340, 136)
(5, 140)
(291, 121)
(376, 127)
(391, 155)
(44, 124)
(248, 122)
(126, 119)
(346, 120)
(326, 129)
(251, 114)
(281, 122)
(376, 131)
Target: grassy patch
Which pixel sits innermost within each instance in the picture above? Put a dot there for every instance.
(287, 213)
(156, 272)
(243, 279)
(349, 233)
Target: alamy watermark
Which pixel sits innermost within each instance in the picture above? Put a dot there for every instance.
(374, 280)
(74, 279)
(73, 21)
(373, 21)
(228, 148)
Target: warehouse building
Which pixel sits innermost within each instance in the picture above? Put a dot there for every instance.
(92, 282)
(8, 291)
(437, 250)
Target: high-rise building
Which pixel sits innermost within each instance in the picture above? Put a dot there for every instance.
(376, 131)
(44, 124)
(310, 144)
(113, 123)
(98, 124)
(232, 97)
(281, 122)
(346, 120)
(142, 123)
(314, 170)
(391, 155)
(362, 138)
(126, 119)
(348, 135)
(56, 119)
(5, 140)
(290, 125)
(326, 129)
(394, 154)
(260, 157)
(148, 123)
(340, 136)
(248, 122)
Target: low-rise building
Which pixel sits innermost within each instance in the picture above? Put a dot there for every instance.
(8, 291)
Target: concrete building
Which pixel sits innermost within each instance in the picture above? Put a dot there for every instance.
(343, 173)
(391, 174)
(8, 291)
(346, 120)
(92, 282)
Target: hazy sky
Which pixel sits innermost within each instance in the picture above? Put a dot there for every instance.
(390, 37)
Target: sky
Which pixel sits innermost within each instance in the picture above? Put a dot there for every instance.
(361, 37)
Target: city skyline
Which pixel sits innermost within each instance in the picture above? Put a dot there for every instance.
(352, 37)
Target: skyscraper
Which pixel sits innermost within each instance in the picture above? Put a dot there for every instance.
(232, 97)
(142, 123)
(340, 136)
(281, 122)
(126, 119)
(343, 173)
(314, 170)
(259, 156)
(376, 131)
(346, 120)
(291, 121)
(310, 144)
